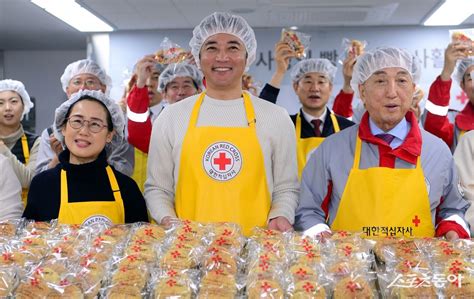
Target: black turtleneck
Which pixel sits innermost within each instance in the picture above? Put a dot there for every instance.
(86, 182)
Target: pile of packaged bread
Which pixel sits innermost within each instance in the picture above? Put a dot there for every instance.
(194, 260)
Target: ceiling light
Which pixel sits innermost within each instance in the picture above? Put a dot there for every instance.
(294, 27)
(73, 14)
(451, 13)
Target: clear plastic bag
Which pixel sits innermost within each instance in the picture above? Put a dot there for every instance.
(298, 41)
(465, 37)
(170, 52)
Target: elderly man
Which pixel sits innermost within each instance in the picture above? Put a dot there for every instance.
(223, 155)
(385, 176)
(312, 82)
(176, 82)
(83, 75)
(436, 121)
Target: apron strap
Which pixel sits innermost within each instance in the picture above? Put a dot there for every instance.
(64, 193)
(298, 126)
(357, 152)
(113, 182)
(334, 122)
(26, 150)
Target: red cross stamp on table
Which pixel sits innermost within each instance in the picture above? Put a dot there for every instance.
(416, 220)
(222, 161)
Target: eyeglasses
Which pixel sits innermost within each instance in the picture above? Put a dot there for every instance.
(91, 83)
(95, 126)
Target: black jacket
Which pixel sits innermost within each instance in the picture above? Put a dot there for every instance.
(17, 149)
(270, 94)
(86, 182)
(307, 130)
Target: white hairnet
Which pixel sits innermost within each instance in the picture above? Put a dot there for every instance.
(118, 120)
(385, 57)
(175, 70)
(461, 68)
(19, 88)
(313, 65)
(85, 66)
(222, 22)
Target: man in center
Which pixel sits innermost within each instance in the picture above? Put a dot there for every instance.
(223, 155)
(312, 82)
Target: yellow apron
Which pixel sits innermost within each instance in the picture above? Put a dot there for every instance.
(304, 146)
(222, 173)
(26, 154)
(90, 212)
(139, 171)
(381, 201)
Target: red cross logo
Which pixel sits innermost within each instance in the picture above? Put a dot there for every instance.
(98, 241)
(343, 234)
(448, 251)
(219, 272)
(269, 232)
(222, 161)
(263, 265)
(352, 286)
(213, 250)
(462, 97)
(132, 257)
(171, 282)
(347, 250)
(308, 287)
(175, 254)
(140, 242)
(266, 286)
(455, 269)
(149, 232)
(416, 220)
(456, 263)
(217, 258)
(172, 273)
(301, 272)
(227, 232)
(6, 256)
(222, 241)
(34, 281)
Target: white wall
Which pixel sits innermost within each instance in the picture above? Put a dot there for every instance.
(428, 42)
(40, 72)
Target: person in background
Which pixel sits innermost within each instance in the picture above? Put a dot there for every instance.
(10, 192)
(283, 56)
(312, 82)
(19, 146)
(83, 74)
(436, 120)
(177, 82)
(223, 155)
(83, 188)
(385, 175)
(464, 159)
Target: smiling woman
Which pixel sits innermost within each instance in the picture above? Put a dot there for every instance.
(83, 188)
(18, 146)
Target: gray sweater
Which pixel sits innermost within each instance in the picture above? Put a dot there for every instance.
(276, 134)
